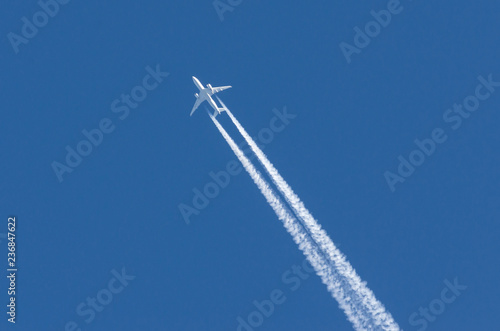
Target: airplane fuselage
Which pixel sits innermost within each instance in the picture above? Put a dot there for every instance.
(197, 83)
(205, 93)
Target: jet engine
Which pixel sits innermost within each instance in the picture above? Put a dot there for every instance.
(196, 95)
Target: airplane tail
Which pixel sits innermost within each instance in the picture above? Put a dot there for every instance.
(220, 109)
(217, 112)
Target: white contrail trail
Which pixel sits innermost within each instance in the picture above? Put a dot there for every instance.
(363, 297)
(301, 238)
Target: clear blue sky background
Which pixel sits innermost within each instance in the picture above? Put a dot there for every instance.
(119, 207)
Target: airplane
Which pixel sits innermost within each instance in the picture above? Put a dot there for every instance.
(206, 94)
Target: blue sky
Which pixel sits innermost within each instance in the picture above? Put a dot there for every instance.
(113, 222)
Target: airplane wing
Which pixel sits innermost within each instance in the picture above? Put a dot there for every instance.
(220, 88)
(196, 104)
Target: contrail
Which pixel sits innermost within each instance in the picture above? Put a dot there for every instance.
(301, 238)
(364, 299)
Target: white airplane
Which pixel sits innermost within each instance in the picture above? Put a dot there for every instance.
(206, 94)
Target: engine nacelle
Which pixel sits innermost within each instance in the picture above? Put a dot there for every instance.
(196, 95)
(209, 86)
